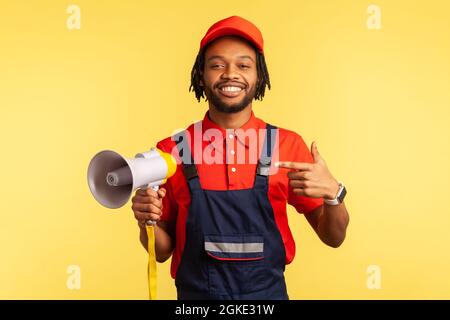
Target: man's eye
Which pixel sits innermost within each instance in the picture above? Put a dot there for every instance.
(244, 66)
(215, 66)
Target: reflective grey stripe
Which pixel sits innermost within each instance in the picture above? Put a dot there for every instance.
(234, 247)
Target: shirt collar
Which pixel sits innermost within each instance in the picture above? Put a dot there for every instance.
(252, 123)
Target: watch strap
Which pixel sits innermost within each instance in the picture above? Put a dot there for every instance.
(339, 196)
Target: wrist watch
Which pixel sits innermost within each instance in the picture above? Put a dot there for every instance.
(339, 196)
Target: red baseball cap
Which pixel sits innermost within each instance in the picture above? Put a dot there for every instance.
(234, 26)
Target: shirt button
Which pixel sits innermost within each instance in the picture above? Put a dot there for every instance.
(232, 152)
(233, 169)
(231, 136)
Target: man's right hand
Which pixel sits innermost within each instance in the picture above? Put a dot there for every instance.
(147, 205)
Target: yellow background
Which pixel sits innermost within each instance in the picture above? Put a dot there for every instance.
(376, 101)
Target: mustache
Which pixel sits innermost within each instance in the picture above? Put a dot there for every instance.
(231, 84)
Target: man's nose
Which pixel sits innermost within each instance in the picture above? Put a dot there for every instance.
(230, 72)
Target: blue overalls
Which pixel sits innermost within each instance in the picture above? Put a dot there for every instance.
(233, 248)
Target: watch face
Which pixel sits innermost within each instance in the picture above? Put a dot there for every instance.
(342, 195)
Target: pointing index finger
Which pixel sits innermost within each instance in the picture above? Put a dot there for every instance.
(294, 165)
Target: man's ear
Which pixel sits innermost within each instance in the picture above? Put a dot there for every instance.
(201, 80)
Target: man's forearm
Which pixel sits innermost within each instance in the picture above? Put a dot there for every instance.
(333, 223)
(163, 242)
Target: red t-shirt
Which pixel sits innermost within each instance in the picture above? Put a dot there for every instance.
(221, 165)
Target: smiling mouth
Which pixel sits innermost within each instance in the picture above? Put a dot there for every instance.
(230, 91)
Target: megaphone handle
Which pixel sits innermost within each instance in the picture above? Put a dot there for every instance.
(150, 222)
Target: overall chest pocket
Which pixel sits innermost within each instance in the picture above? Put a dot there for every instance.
(236, 263)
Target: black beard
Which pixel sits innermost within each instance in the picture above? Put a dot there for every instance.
(218, 103)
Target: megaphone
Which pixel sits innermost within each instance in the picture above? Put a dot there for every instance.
(112, 178)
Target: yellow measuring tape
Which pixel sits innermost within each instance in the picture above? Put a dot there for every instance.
(151, 262)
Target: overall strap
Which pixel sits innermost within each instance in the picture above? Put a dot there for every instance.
(266, 152)
(184, 151)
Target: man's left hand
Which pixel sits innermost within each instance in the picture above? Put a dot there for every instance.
(311, 179)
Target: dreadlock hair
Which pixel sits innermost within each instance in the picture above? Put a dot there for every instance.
(197, 72)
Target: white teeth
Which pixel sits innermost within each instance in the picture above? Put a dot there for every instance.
(231, 89)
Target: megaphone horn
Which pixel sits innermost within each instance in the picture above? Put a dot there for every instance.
(112, 178)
